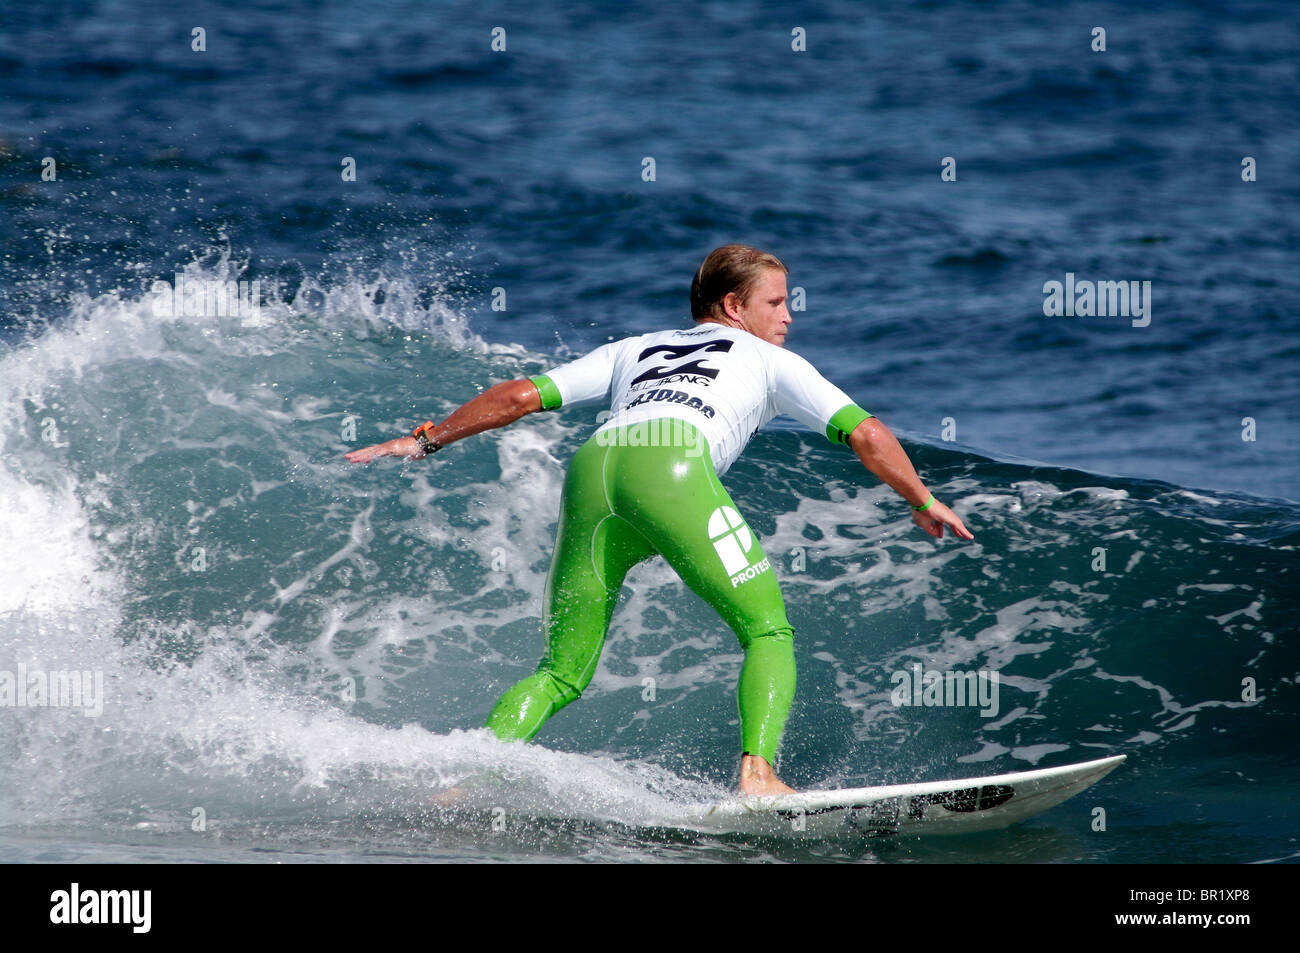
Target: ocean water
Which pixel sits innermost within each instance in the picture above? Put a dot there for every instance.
(294, 653)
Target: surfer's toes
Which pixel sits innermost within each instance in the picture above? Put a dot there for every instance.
(769, 788)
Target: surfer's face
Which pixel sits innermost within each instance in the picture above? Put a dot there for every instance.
(764, 314)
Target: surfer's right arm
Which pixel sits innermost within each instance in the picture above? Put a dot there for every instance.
(882, 454)
(497, 406)
(803, 393)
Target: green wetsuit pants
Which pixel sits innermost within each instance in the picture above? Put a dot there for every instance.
(623, 503)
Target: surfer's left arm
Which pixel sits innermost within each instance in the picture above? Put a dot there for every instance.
(497, 406)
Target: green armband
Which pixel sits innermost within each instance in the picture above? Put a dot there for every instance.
(924, 506)
(843, 422)
(550, 394)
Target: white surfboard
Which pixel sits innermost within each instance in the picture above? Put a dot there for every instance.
(932, 807)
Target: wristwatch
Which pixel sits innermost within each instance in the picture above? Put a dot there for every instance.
(427, 444)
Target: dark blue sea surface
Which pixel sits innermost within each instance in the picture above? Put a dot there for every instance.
(304, 650)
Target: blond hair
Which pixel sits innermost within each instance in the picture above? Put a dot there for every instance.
(728, 269)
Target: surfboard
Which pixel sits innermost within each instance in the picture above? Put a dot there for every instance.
(932, 807)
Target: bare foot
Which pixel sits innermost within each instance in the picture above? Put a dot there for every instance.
(757, 779)
(447, 797)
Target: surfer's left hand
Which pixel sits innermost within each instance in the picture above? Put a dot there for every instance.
(934, 518)
(401, 447)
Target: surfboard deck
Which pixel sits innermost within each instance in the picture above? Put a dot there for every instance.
(933, 807)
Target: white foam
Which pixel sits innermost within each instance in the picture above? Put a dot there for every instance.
(50, 565)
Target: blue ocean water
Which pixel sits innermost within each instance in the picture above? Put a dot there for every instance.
(300, 651)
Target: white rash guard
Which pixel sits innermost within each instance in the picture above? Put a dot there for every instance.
(724, 381)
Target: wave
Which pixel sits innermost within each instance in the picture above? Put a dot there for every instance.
(284, 638)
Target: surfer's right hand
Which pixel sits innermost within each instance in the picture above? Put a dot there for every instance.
(936, 516)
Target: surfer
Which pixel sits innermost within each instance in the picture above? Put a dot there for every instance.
(684, 403)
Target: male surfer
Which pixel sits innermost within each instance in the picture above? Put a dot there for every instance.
(684, 404)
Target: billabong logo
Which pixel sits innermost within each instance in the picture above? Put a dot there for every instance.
(733, 539)
(677, 352)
